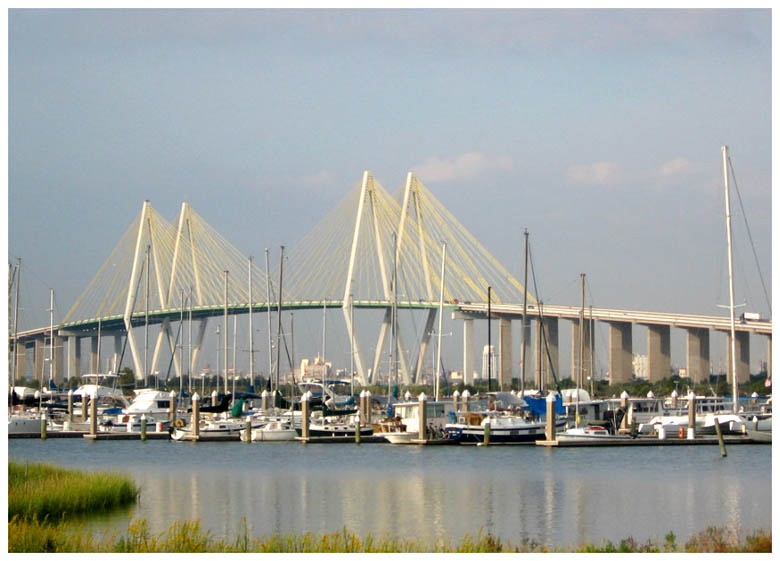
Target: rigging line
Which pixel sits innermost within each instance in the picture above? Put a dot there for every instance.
(750, 236)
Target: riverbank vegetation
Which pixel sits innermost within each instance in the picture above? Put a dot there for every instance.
(44, 502)
(49, 493)
(28, 536)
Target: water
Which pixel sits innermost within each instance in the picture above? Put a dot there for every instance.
(556, 497)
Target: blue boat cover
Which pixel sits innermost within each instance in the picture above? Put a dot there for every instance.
(538, 405)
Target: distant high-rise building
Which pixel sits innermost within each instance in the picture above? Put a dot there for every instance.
(488, 353)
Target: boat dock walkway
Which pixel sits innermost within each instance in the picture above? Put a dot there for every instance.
(648, 441)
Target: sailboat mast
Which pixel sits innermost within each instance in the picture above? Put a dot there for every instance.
(279, 320)
(251, 333)
(146, 323)
(16, 321)
(225, 335)
(582, 354)
(441, 314)
(268, 313)
(189, 340)
(525, 325)
(734, 388)
(395, 312)
(51, 336)
(490, 345)
(181, 344)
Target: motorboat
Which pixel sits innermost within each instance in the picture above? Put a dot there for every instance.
(591, 433)
(403, 426)
(211, 428)
(27, 423)
(340, 426)
(275, 431)
(504, 428)
(394, 431)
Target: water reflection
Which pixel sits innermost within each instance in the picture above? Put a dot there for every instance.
(564, 497)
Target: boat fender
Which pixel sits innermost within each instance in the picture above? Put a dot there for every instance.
(179, 423)
(681, 432)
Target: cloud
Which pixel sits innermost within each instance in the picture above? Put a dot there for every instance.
(597, 173)
(675, 167)
(465, 166)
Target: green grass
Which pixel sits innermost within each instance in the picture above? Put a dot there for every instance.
(45, 492)
(32, 536)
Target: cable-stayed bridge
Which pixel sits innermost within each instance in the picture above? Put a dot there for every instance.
(374, 250)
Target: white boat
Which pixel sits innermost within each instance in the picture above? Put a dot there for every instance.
(102, 388)
(275, 431)
(407, 420)
(394, 431)
(24, 424)
(759, 435)
(211, 428)
(590, 433)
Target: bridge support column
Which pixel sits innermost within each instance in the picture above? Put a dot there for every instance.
(769, 358)
(39, 360)
(59, 360)
(698, 354)
(743, 356)
(544, 377)
(94, 359)
(659, 358)
(575, 350)
(620, 352)
(21, 362)
(504, 353)
(468, 351)
(74, 357)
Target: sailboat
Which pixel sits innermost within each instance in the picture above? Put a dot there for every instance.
(751, 427)
(589, 432)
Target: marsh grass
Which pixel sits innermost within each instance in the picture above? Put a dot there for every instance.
(46, 492)
(29, 536)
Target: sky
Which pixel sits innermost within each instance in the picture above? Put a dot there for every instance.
(598, 131)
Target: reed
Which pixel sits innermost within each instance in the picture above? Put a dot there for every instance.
(46, 493)
(33, 536)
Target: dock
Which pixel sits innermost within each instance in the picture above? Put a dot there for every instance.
(367, 439)
(649, 441)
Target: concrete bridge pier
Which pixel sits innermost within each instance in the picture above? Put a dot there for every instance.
(74, 356)
(698, 354)
(544, 376)
(769, 357)
(59, 360)
(504, 353)
(575, 351)
(468, 350)
(620, 352)
(39, 356)
(659, 357)
(743, 356)
(94, 359)
(20, 371)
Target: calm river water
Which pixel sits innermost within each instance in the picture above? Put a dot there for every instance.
(555, 497)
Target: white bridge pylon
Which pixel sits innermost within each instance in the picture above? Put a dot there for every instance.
(372, 249)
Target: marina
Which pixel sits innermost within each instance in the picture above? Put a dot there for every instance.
(282, 273)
